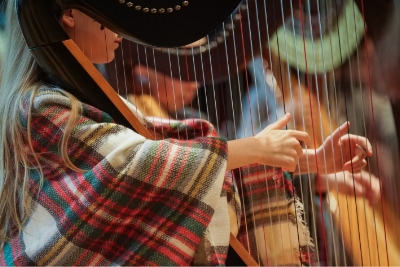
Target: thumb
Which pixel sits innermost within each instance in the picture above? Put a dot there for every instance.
(340, 131)
(279, 124)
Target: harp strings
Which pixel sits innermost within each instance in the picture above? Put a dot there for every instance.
(326, 95)
(328, 108)
(352, 91)
(291, 94)
(319, 106)
(291, 99)
(310, 101)
(213, 83)
(246, 85)
(236, 47)
(157, 85)
(330, 125)
(263, 241)
(322, 222)
(274, 88)
(173, 83)
(258, 102)
(303, 129)
(363, 208)
(188, 80)
(280, 12)
(316, 85)
(376, 145)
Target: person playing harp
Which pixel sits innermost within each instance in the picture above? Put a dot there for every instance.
(77, 188)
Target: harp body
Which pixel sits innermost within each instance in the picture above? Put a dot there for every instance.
(367, 233)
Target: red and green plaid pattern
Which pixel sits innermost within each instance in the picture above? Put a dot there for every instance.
(143, 202)
(273, 230)
(139, 202)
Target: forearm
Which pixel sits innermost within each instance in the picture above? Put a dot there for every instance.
(242, 152)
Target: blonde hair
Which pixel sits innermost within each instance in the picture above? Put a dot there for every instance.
(1, 45)
(20, 78)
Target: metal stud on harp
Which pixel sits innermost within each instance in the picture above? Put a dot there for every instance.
(244, 64)
(310, 67)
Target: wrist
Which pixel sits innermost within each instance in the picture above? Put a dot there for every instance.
(243, 152)
(256, 146)
(307, 162)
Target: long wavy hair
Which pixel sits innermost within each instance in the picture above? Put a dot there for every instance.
(20, 77)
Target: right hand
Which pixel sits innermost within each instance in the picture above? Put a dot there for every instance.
(281, 148)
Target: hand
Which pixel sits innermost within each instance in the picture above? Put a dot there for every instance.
(343, 151)
(363, 184)
(281, 148)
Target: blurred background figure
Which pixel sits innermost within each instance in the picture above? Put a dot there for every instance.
(157, 94)
(385, 63)
(325, 79)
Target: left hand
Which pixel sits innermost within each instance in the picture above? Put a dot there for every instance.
(343, 151)
(363, 184)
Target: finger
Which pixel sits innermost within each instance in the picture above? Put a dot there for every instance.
(363, 178)
(356, 170)
(357, 159)
(360, 153)
(340, 131)
(301, 136)
(365, 189)
(358, 141)
(355, 166)
(290, 163)
(375, 193)
(363, 143)
(357, 163)
(298, 148)
(370, 184)
(279, 124)
(291, 168)
(358, 189)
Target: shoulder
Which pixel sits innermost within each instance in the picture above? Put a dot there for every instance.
(52, 101)
(48, 96)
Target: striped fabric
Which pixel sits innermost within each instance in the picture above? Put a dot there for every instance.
(275, 232)
(142, 202)
(139, 202)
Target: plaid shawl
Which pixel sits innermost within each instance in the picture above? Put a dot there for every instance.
(142, 202)
(272, 225)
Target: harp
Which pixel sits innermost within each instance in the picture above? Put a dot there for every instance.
(223, 54)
